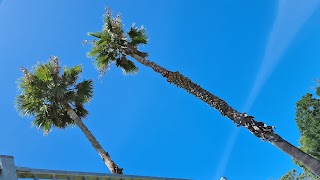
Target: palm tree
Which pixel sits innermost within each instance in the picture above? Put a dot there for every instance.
(56, 99)
(113, 46)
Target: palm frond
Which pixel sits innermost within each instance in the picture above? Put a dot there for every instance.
(106, 48)
(126, 65)
(102, 62)
(81, 111)
(45, 93)
(84, 92)
(70, 75)
(137, 36)
(95, 34)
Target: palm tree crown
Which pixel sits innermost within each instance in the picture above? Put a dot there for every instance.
(107, 47)
(113, 46)
(46, 91)
(56, 99)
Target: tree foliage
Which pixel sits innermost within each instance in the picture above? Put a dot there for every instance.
(308, 122)
(106, 48)
(294, 175)
(46, 90)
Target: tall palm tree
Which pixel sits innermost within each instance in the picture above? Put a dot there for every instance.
(112, 45)
(56, 99)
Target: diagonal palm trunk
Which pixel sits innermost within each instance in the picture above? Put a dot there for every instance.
(114, 169)
(259, 129)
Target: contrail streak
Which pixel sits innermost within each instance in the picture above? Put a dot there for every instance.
(226, 154)
(291, 16)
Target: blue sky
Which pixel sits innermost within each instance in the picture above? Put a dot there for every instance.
(151, 127)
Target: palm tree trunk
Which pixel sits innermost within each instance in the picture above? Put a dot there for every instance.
(114, 169)
(259, 129)
(308, 161)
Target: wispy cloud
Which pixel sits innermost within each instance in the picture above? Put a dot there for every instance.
(226, 154)
(291, 16)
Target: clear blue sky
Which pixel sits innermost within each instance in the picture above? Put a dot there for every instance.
(232, 48)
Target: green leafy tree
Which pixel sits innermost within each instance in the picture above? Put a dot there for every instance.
(113, 45)
(293, 175)
(308, 122)
(56, 99)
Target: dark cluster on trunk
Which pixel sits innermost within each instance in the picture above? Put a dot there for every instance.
(114, 166)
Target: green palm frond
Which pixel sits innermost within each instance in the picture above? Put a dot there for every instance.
(106, 48)
(45, 93)
(102, 62)
(137, 36)
(126, 65)
(95, 34)
(84, 92)
(43, 72)
(80, 110)
(27, 104)
(108, 20)
(95, 51)
(318, 90)
(71, 75)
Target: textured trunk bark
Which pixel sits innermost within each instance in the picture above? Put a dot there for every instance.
(259, 129)
(103, 154)
(308, 161)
